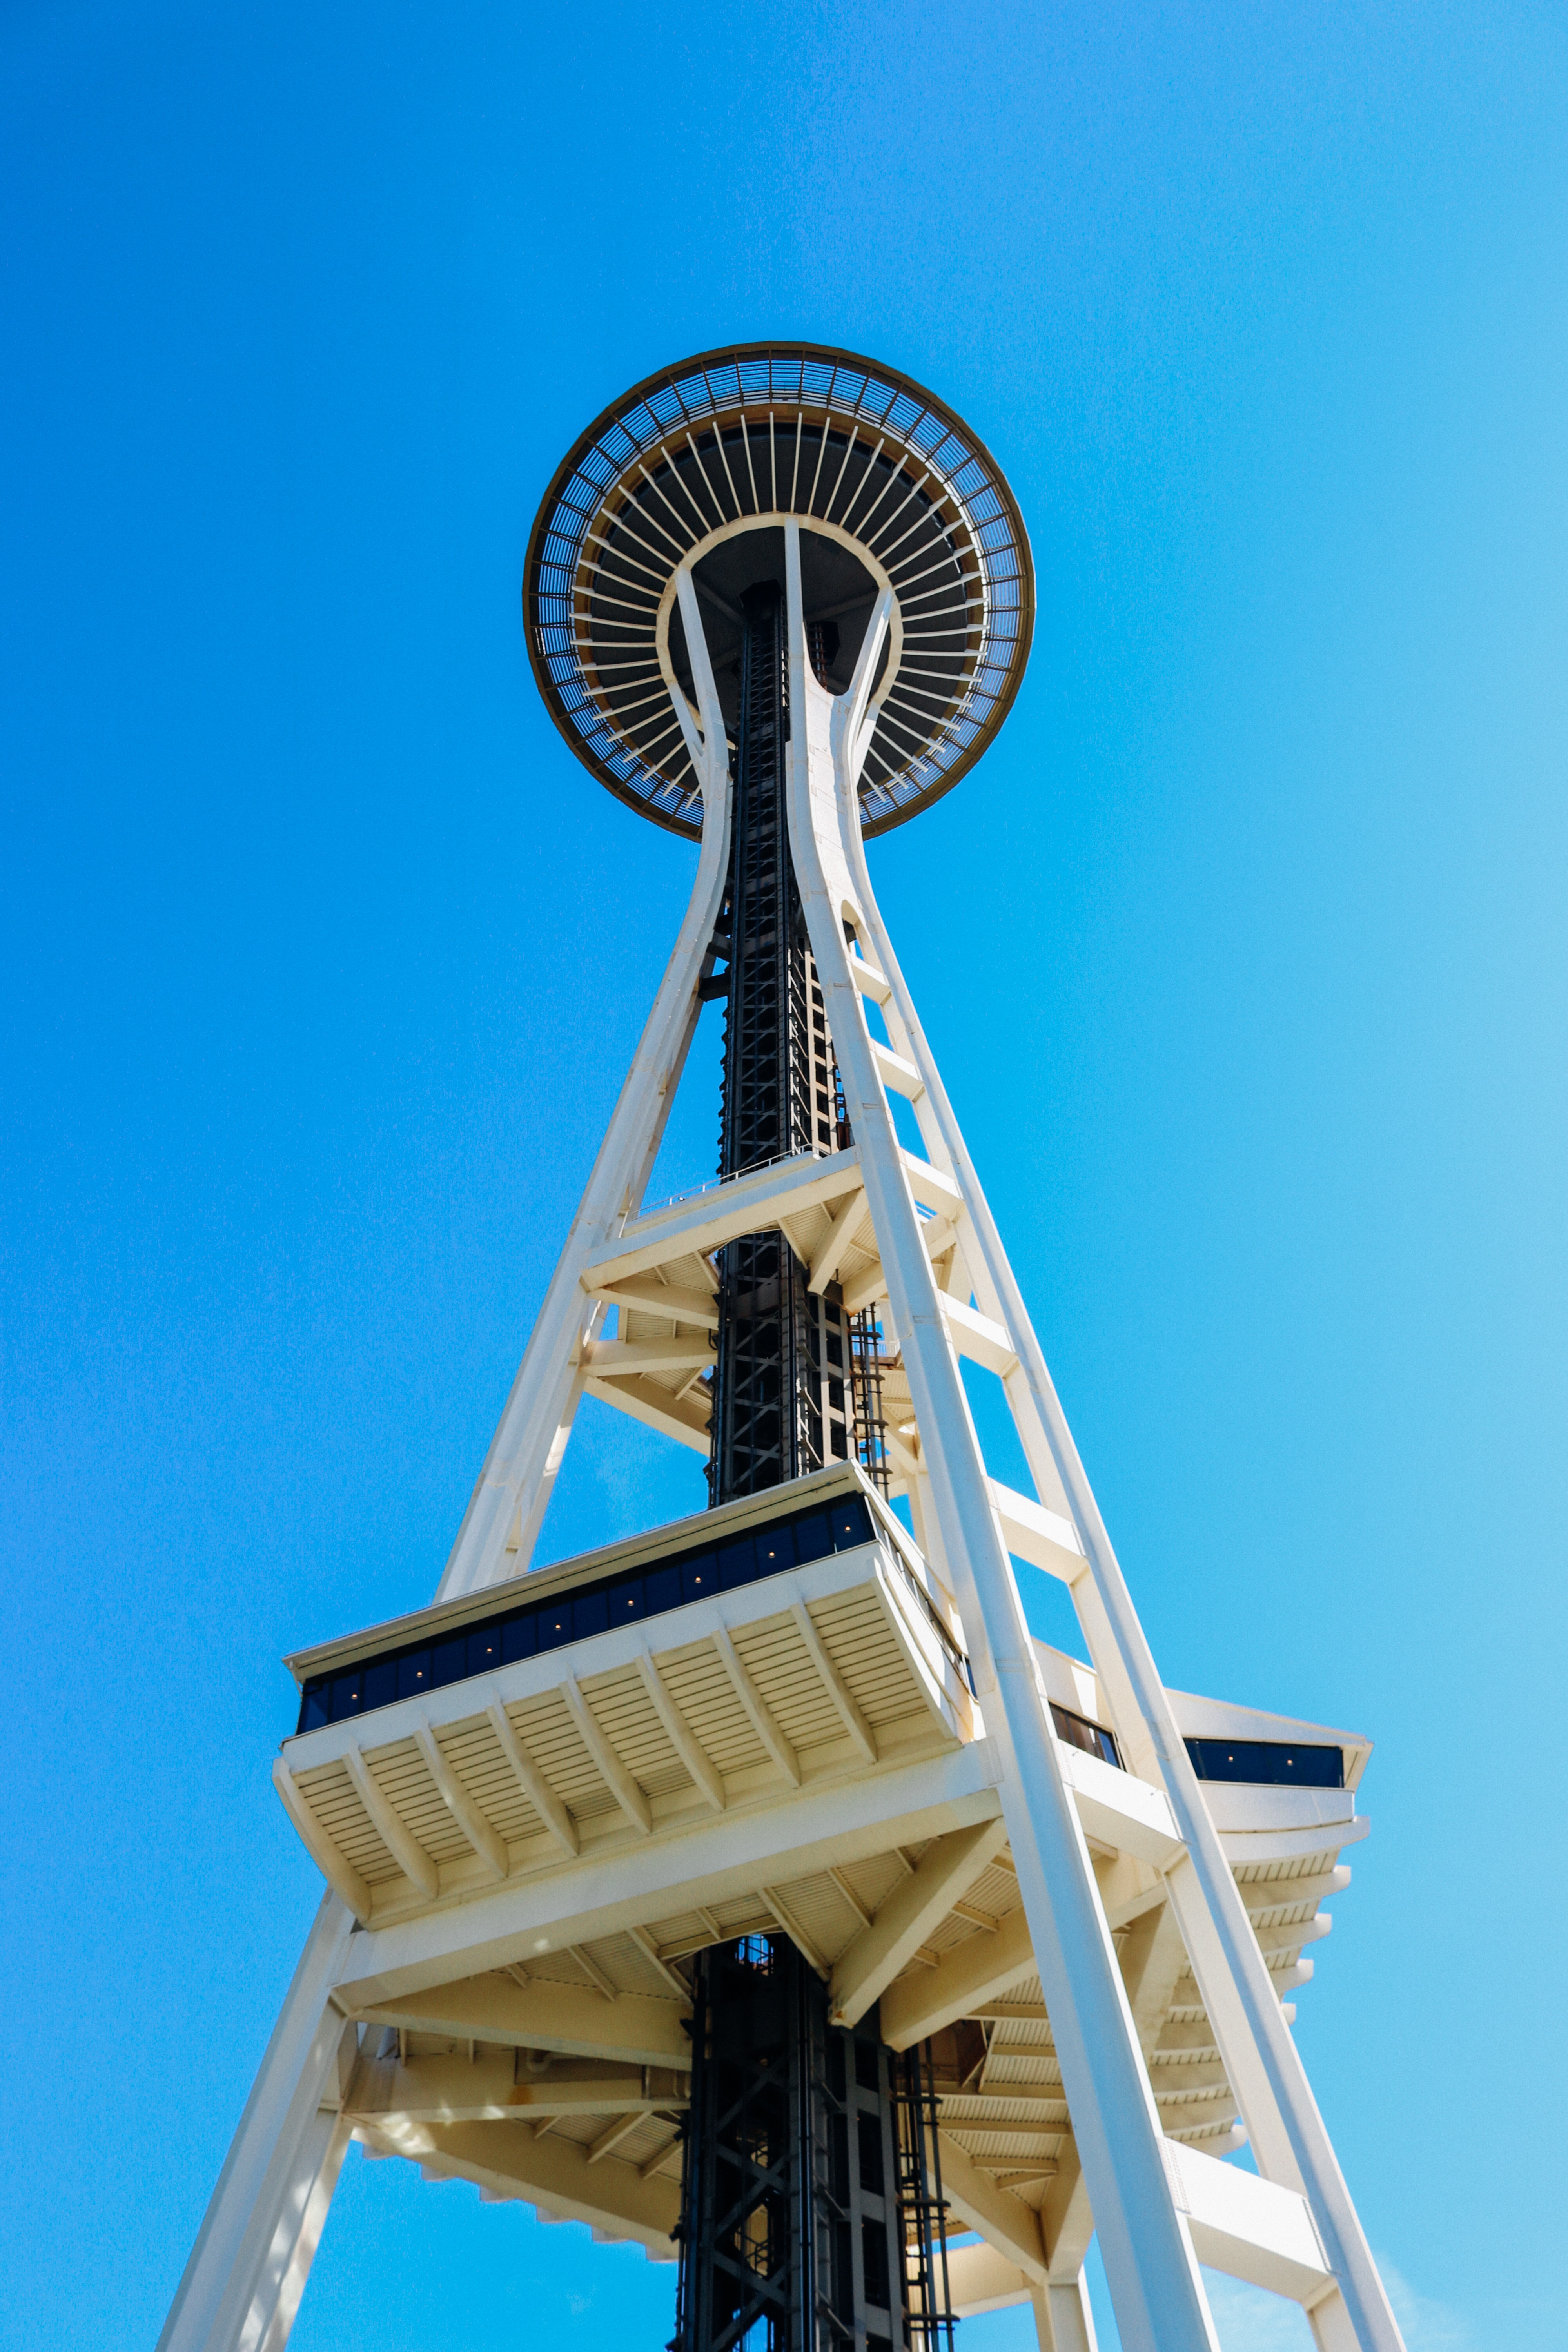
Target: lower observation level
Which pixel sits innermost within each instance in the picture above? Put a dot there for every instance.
(599, 1832)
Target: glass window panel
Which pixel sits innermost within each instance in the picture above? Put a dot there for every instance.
(380, 1682)
(449, 1660)
(699, 1576)
(661, 1587)
(413, 1673)
(737, 1563)
(1267, 1763)
(590, 1614)
(315, 1703)
(348, 1695)
(484, 1649)
(625, 1600)
(554, 1624)
(775, 1549)
(519, 1636)
(813, 1536)
(851, 1524)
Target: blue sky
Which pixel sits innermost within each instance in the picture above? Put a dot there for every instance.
(1242, 956)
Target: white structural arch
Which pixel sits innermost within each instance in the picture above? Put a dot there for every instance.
(518, 1863)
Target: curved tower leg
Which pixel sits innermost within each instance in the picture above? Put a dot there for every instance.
(1160, 2301)
(1283, 2123)
(1285, 2128)
(243, 2282)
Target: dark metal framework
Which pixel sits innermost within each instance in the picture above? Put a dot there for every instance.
(762, 430)
(811, 2213)
(781, 1406)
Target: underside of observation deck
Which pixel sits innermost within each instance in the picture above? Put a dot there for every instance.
(540, 1851)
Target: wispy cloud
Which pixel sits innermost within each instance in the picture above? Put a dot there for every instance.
(1249, 2320)
(1426, 2325)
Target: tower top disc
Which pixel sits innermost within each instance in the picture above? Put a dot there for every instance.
(702, 465)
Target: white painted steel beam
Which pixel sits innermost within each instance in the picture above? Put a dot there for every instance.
(750, 1203)
(1286, 2129)
(1160, 2301)
(249, 2263)
(393, 1830)
(617, 1780)
(682, 1738)
(656, 1408)
(515, 1483)
(549, 1808)
(916, 1907)
(490, 1849)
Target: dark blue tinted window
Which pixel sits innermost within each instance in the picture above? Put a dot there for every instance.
(519, 1637)
(590, 1614)
(662, 1587)
(412, 1672)
(1267, 1763)
(851, 1525)
(775, 1549)
(813, 1536)
(484, 1649)
(737, 1563)
(348, 1695)
(554, 1624)
(449, 1660)
(803, 1537)
(699, 1576)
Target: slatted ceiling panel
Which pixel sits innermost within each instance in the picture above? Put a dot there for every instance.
(1290, 1911)
(1010, 2035)
(954, 1931)
(359, 1841)
(474, 1754)
(862, 1645)
(629, 1968)
(697, 1682)
(746, 1914)
(780, 1664)
(683, 1929)
(822, 1911)
(556, 1745)
(996, 1890)
(875, 1880)
(402, 1775)
(1013, 2062)
(625, 1714)
(962, 2114)
(1248, 1874)
(651, 2135)
(581, 2128)
(1005, 2149)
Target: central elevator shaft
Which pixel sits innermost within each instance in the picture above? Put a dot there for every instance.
(808, 2223)
(780, 1405)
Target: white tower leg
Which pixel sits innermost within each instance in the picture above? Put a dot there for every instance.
(247, 2270)
(502, 1520)
(1063, 2320)
(1284, 2126)
(243, 2282)
(1159, 2297)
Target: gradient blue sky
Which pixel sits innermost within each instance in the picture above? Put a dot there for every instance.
(324, 961)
